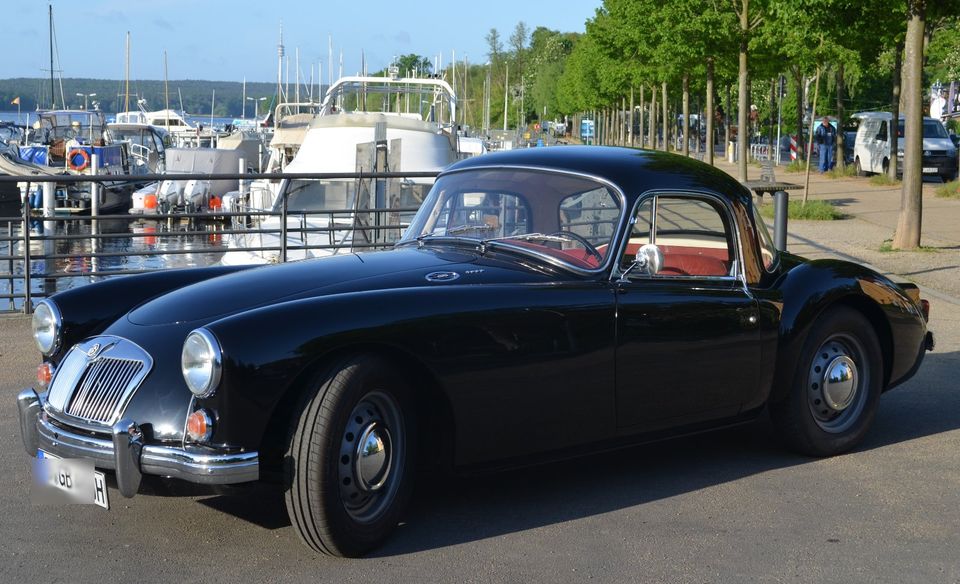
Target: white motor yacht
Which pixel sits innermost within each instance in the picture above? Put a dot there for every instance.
(365, 124)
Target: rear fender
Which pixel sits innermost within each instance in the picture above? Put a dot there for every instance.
(811, 288)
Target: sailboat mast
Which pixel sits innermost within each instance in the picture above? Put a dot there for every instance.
(53, 100)
(166, 91)
(126, 91)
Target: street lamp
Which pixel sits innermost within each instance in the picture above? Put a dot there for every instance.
(85, 97)
(256, 106)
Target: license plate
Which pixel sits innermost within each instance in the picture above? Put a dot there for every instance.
(68, 480)
(929, 169)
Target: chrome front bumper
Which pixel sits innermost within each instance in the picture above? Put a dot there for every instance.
(126, 454)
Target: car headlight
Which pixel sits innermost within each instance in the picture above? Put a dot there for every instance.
(46, 325)
(951, 153)
(200, 363)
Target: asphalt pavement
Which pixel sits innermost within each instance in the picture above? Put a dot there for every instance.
(730, 506)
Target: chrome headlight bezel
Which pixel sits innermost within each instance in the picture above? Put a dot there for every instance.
(46, 317)
(201, 363)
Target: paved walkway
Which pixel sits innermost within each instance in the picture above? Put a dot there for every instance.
(872, 218)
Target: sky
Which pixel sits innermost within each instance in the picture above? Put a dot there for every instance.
(232, 40)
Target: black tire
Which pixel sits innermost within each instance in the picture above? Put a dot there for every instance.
(821, 419)
(338, 505)
(950, 176)
(860, 171)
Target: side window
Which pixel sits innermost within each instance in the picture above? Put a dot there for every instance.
(693, 234)
(882, 133)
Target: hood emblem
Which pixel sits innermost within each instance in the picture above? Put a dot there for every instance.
(442, 276)
(97, 350)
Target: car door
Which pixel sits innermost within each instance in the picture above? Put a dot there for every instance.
(687, 336)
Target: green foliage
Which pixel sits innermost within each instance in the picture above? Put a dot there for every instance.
(950, 190)
(848, 170)
(883, 180)
(811, 211)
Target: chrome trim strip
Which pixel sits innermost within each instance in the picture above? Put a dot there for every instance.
(192, 464)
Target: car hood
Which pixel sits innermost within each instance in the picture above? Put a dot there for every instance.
(249, 289)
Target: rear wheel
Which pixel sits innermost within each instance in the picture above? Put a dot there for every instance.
(349, 473)
(836, 386)
(860, 171)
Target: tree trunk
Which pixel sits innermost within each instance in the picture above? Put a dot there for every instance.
(893, 168)
(840, 117)
(911, 202)
(666, 122)
(652, 132)
(630, 120)
(622, 115)
(809, 145)
(710, 147)
(640, 124)
(744, 93)
(798, 77)
(772, 119)
(686, 114)
(726, 122)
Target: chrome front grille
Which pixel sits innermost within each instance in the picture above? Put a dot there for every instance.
(100, 388)
(95, 381)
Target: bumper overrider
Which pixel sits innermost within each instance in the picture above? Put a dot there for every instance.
(126, 454)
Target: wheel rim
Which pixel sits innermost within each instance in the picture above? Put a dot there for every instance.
(837, 383)
(372, 457)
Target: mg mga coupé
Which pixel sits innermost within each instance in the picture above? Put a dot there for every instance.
(541, 303)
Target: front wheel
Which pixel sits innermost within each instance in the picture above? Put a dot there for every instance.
(836, 387)
(348, 464)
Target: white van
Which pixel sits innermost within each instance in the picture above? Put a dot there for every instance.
(871, 153)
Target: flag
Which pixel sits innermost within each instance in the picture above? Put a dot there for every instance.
(16, 101)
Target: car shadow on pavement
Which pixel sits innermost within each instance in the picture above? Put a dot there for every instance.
(450, 510)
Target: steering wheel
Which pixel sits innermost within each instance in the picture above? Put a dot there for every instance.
(588, 247)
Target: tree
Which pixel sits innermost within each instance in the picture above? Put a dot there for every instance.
(907, 235)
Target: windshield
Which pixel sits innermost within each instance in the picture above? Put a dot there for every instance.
(559, 216)
(931, 129)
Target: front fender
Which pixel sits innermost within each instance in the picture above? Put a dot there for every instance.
(810, 288)
(88, 310)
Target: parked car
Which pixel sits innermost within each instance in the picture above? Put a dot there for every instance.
(543, 303)
(872, 149)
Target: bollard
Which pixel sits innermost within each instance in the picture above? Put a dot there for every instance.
(780, 210)
(94, 187)
(49, 198)
(244, 185)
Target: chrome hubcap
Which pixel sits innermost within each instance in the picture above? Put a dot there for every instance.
(371, 449)
(840, 383)
(372, 466)
(836, 384)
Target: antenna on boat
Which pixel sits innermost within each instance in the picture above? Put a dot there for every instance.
(280, 53)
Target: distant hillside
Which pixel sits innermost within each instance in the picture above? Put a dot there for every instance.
(198, 96)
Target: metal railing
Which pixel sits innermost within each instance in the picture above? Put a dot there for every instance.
(41, 252)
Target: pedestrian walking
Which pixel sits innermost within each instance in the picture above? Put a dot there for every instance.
(826, 137)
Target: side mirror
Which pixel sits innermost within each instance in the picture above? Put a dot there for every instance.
(649, 260)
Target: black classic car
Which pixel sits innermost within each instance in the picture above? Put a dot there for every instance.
(542, 303)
